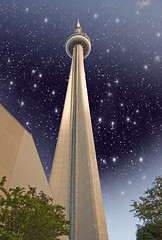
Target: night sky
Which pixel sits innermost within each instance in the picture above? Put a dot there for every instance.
(124, 81)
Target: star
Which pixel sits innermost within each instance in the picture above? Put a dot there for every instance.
(21, 103)
(103, 161)
(114, 159)
(100, 120)
(157, 58)
(117, 20)
(46, 20)
(95, 15)
(27, 123)
(116, 81)
(146, 67)
(158, 34)
(40, 75)
(56, 110)
(141, 159)
(128, 119)
(112, 125)
(109, 94)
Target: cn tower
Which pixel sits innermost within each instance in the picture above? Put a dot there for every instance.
(74, 179)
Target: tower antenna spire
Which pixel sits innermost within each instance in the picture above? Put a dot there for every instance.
(78, 28)
(78, 23)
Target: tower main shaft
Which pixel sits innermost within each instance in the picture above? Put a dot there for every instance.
(74, 178)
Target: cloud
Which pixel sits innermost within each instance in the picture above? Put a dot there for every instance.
(144, 3)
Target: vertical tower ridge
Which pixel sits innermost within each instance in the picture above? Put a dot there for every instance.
(74, 179)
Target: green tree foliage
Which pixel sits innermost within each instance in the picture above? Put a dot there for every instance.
(30, 216)
(149, 210)
(150, 231)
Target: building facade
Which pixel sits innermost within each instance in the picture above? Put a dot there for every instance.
(19, 159)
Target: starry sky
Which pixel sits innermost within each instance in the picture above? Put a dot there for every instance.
(124, 81)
